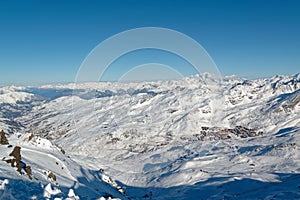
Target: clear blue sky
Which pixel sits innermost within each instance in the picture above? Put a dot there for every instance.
(46, 41)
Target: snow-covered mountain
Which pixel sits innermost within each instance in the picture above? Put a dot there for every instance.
(195, 138)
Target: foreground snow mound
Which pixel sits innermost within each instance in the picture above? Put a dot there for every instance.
(52, 174)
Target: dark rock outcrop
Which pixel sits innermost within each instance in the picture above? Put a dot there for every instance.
(3, 139)
(16, 161)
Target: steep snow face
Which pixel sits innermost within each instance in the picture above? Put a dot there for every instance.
(47, 173)
(252, 103)
(219, 139)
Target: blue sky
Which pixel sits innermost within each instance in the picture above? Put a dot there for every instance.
(46, 41)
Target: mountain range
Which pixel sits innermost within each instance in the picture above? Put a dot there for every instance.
(194, 138)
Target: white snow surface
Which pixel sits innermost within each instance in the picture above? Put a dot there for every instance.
(155, 140)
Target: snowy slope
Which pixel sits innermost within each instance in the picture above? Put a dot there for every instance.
(194, 138)
(14, 102)
(46, 161)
